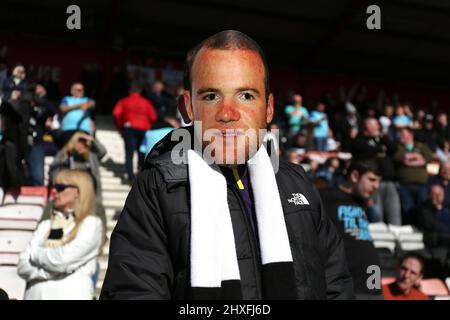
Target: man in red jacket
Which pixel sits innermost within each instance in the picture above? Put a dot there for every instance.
(134, 115)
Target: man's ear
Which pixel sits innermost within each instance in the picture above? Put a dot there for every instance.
(184, 106)
(354, 176)
(269, 111)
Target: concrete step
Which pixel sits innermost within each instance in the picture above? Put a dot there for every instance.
(106, 173)
(111, 180)
(116, 187)
(115, 195)
(113, 204)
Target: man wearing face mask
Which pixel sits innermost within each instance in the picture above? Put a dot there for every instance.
(233, 228)
(347, 206)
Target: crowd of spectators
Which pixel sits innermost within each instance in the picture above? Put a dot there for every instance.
(410, 145)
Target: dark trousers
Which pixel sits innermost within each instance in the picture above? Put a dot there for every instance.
(411, 197)
(321, 144)
(35, 164)
(133, 139)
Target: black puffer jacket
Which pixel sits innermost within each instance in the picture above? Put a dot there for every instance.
(149, 252)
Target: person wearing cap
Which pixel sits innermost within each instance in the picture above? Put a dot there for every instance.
(428, 135)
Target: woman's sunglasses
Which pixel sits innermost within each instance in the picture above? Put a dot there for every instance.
(59, 187)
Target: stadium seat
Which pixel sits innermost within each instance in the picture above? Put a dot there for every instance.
(387, 280)
(12, 283)
(385, 244)
(378, 227)
(9, 259)
(434, 287)
(14, 241)
(28, 195)
(21, 211)
(407, 229)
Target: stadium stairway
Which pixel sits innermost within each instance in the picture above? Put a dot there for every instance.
(114, 188)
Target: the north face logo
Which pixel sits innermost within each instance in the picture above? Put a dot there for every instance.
(298, 199)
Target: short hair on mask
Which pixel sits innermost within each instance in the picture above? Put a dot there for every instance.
(364, 166)
(225, 40)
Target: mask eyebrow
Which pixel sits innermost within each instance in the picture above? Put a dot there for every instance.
(204, 90)
(255, 91)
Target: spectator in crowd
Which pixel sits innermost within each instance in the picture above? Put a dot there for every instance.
(16, 82)
(427, 135)
(442, 127)
(40, 120)
(332, 143)
(60, 258)
(159, 130)
(443, 154)
(418, 120)
(348, 127)
(331, 172)
(372, 144)
(297, 115)
(409, 274)
(319, 121)
(15, 111)
(78, 154)
(301, 143)
(352, 121)
(386, 121)
(158, 253)
(433, 218)
(411, 160)
(160, 99)
(293, 156)
(401, 120)
(133, 115)
(76, 111)
(347, 206)
(442, 179)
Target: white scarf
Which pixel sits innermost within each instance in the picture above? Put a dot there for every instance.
(213, 251)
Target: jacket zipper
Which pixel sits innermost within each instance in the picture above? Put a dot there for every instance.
(251, 237)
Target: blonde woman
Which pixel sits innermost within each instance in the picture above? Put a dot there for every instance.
(60, 259)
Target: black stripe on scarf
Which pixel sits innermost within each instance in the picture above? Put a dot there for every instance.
(279, 281)
(229, 290)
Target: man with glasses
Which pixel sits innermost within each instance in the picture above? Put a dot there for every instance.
(76, 113)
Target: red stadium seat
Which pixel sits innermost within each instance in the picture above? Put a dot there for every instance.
(387, 280)
(434, 287)
(28, 195)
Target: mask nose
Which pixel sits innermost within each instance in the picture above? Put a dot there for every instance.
(227, 112)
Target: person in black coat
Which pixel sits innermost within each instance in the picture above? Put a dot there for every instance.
(197, 230)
